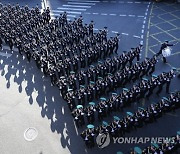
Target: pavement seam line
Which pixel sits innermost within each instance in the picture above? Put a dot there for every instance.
(176, 53)
(156, 39)
(163, 32)
(168, 22)
(158, 44)
(167, 33)
(170, 13)
(162, 22)
(151, 51)
(147, 35)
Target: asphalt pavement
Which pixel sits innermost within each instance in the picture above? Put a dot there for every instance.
(29, 101)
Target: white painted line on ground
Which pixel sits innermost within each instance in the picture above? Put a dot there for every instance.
(141, 42)
(104, 14)
(87, 13)
(43, 6)
(54, 14)
(131, 15)
(5, 54)
(122, 15)
(114, 32)
(95, 13)
(144, 21)
(146, 14)
(144, 18)
(69, 12)
(95, 29)
(136, 36)
(53, 17)
(124, 34)
(142, 31)
(141, 16)
(81, 6)
(112, 14)
(142, 36)
(69, 15)
(130, 2)
(81, 3)
(143, 26)
(62, 8)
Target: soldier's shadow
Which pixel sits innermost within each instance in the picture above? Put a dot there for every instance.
(30, 79)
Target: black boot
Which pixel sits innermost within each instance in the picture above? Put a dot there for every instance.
(164, 60)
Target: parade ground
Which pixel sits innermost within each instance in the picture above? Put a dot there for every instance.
(34, 119)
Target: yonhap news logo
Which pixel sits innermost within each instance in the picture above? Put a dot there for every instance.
(103, 140)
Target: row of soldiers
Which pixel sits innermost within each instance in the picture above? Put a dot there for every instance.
(116, 102)
(58, 46)
(171, 145)
(110, 65)
(48, 41)
(118, 127)
(110, 83)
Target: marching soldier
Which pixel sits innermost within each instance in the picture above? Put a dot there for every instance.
(1, 43)
(161, 81)
(151, 86)
(170, 75)
(138, 51)
(116, 43)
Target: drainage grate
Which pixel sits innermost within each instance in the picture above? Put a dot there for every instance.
(30, 134)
